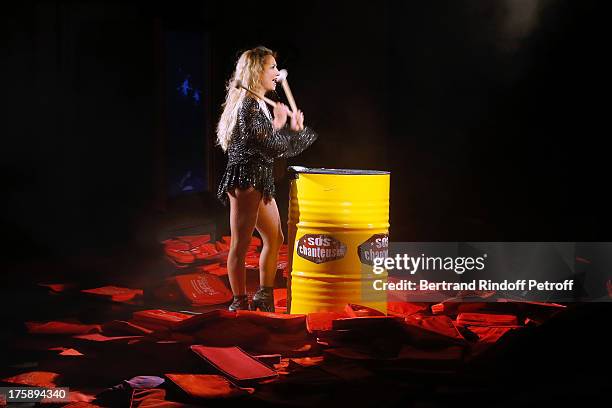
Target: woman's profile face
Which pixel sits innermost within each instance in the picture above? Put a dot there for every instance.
(269, 74)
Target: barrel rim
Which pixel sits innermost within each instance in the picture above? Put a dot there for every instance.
(295, 170)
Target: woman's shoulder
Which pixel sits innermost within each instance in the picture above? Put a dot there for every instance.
(250, 103)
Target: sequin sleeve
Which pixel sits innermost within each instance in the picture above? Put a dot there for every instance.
(272, 143)
(298, 141)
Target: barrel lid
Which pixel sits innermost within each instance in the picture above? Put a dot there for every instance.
(295, 170)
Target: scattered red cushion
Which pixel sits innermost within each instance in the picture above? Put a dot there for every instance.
(269, 359)
(58, 287)
(235, 363)
(214, 269)
(63, 351)
(280, 300)
(354, 310)
(97, 337)
(158, 318)
(489, 334)
(322, 321)
(203, 289)
(114, 293)
(195, 322)
(222, 246)
(197, 289)
(121, 327)
(274, 321)
(430, 330)
(152, 398)
(486, 319)
(232, 332)
(405, 308)
(34, 379)
(195, 240)
(188, 248)
(207, 386)
(251, 261)
(255, 242)
(59, 327)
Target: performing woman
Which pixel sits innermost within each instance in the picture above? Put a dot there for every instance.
(252, 139)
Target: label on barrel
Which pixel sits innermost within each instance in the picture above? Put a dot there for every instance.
(319, 248)
(377, 246)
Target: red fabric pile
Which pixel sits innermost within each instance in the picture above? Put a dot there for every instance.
(114, 293)
(189, 248)
(198, 253)
(243, 349)
(197, 289)
(353, 344)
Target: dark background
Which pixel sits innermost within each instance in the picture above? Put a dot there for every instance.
(490, 116)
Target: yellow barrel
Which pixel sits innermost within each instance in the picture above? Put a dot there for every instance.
(338, 223)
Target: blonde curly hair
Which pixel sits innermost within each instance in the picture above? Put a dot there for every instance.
(248, 70)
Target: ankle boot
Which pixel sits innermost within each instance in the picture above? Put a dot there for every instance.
(241, 302)
(263, 299)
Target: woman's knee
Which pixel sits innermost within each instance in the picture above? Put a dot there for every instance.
(274, 242)
(280, 238)
(239, 246)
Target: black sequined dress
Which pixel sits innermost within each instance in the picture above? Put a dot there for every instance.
(253, 146)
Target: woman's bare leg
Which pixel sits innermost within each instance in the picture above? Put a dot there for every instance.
(244, 205)
(269, 227)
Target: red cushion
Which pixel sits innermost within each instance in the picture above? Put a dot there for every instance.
(235, 363)
(232, 332)
(97, 337)
(187, 248)
(221, 246)
(59, 287)
(274, 320)
(207, 386)
(114, 293)
(158, 317)
(34, 379)
(195, 240)
(489, 334)
(354, 310)
(251, 262)
(255, 242)
(197, 321)
(405, 308)
(486, 319)
(320, 321)
(59, 327)
(63, 351)
(220, 271)
(214, 269)
(280, 300)
(120, 327)
(180, 255)
(152, 398)
(205, 251)
(203, 289)
(432, 329)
